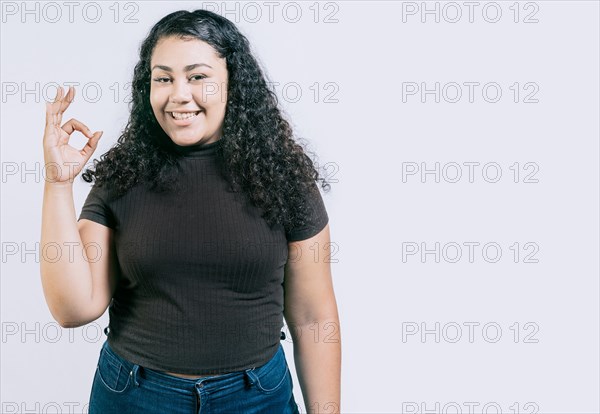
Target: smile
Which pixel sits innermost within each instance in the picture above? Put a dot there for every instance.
(182, 116)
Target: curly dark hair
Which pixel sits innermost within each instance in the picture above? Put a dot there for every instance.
(258, 155)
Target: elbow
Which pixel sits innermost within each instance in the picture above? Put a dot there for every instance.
(68, 316)
(64, 321)
(68, 321)
(69, 325)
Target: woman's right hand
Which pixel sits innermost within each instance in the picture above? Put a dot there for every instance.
(62, 161)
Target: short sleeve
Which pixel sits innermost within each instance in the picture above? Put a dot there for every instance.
(96, 208)
(316, 221)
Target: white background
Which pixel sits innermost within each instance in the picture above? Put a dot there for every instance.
(548, 294)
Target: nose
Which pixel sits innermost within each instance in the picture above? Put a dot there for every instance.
(180, 92)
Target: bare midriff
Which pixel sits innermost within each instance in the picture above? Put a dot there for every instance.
(191, 376)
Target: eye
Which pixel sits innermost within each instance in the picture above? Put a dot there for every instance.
(164, 80)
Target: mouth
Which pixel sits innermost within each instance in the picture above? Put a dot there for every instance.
(183, 116)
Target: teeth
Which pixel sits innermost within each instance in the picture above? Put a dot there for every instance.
(187, 115)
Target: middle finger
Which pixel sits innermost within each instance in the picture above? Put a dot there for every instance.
(51, 108)
(64, 103)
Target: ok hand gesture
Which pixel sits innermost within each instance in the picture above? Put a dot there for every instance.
(64, 162)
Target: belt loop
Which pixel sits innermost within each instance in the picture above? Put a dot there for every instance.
(250, 375)
(134, 374)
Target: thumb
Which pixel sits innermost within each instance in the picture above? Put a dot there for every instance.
(92, 143)
(97, 138)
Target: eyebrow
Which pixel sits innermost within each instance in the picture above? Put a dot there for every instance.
(185, 69)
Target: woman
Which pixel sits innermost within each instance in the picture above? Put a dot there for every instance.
(204, 228)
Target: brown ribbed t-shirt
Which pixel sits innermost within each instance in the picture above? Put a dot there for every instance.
(201, 272)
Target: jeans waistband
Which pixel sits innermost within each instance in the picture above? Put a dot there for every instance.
(216, 381)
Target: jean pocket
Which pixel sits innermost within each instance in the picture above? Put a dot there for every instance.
(271, 377)
(114, 373)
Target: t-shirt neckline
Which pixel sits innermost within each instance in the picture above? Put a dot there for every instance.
(198, 150)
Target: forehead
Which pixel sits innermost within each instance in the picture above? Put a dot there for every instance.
(176, 52)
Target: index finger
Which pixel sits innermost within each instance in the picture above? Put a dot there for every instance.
(75, 125)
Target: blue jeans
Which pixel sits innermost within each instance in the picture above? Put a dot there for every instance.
(122, 387)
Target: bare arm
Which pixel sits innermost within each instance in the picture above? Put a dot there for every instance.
(311, 314)
(77, 282)
(77, 265)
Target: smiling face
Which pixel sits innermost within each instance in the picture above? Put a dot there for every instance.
(190, 79)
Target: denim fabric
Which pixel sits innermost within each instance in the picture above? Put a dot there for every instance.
(122, 387)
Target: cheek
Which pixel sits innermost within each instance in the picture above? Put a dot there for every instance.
(157, 100)
(216, 96)
(157, 114)
(223, 94)
(154, 104)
